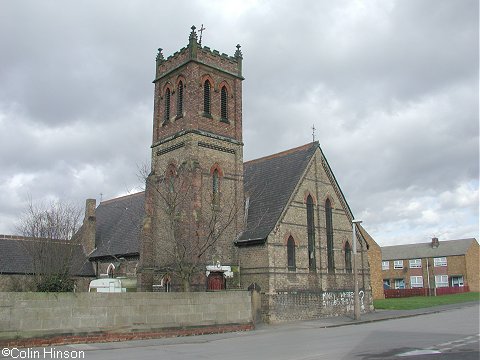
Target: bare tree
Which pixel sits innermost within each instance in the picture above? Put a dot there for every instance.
(193, 221)
(49, 231)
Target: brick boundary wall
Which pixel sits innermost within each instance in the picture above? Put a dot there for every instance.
(89, 317)
(115, 337)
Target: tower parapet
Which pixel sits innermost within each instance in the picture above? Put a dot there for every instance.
(231, 65)
(198, 89)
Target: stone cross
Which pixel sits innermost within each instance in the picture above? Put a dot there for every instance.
(201, 32)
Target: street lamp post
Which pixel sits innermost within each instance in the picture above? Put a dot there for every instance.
(356, 300)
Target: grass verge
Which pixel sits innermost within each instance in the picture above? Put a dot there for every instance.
(417, 302)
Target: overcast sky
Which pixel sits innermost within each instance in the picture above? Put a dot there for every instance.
(391, 87)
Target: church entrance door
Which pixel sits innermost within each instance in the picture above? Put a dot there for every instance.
(215, 281)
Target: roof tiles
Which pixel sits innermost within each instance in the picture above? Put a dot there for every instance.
(425, 250)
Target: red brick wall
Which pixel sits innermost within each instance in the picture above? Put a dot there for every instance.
(202, 141)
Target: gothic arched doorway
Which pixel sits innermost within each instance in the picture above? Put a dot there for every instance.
(215, 281)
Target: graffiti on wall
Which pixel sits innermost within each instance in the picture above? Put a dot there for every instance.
(343, 298)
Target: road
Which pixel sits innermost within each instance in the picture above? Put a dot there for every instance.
(452, 334)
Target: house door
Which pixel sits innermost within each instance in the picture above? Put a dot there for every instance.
(215, 281)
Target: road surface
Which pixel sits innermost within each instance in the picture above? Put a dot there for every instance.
(451, 334)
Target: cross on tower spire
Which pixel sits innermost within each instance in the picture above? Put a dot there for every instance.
(201, 33)
(313, 132)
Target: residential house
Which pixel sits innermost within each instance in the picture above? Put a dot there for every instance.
(449, 263)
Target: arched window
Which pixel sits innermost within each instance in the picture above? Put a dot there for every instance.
(180, 99)
(166, 114)
(311, 233)
(291, 254)
(165, 282)
(170, 178)
(329, 226)
(215, 182)
(111, 271)
(224, 104)
(348, 258)
(206, 98)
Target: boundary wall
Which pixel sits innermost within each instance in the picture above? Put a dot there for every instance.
(50, 315)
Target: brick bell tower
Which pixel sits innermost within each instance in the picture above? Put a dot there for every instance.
(197, 137)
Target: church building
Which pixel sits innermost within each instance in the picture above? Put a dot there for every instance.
(207, 220)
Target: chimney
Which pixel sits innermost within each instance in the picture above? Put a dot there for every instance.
(90, 205)
(435, 242)
(88, 227)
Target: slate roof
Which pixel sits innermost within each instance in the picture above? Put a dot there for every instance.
(269, 182)
(16, 256)
(424, 250)
(118, 225)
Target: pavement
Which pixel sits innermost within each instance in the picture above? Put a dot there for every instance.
(376, 315)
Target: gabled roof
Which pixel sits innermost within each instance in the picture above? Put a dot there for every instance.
(16, 255)
(424, 250)
(118, 226)
(269, 182)
(368, 238)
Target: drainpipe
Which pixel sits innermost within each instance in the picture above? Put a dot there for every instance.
(428, 278)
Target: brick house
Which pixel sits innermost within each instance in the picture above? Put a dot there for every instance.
(289, 232)
(436, 264)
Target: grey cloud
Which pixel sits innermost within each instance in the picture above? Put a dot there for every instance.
(391, 86)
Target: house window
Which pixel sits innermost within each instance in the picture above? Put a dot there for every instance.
(348, 258)
(441, 281)
(440, 261)
(311, 233)
(399, 284)
(416, 281)
(415, 263)
(386, 284)
(224, 104)
(329, 226)
(456, 281)
(206, 98)
(180, 99)
(385, 265)
(166, 114)
(291, 254)
(398, 264)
